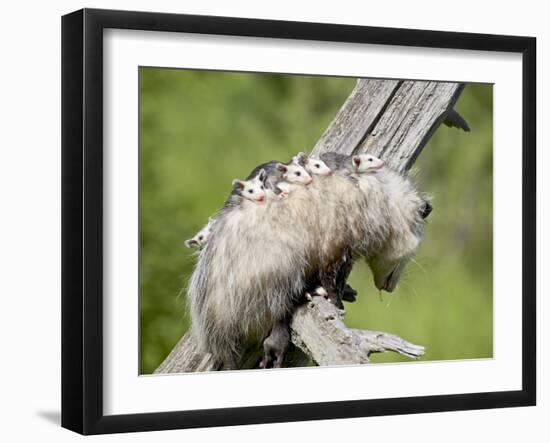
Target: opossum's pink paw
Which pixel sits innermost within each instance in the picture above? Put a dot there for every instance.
(321, 291)
(283, 195)
(308, 296)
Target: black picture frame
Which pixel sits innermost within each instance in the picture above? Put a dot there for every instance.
(82, 220)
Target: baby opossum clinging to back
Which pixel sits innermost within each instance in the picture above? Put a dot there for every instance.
(352, 164)
(261, 258)
(201, 237)
(251, 189)
(314, 166)
(279, 178)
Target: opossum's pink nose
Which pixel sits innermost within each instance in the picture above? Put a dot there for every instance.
(260, 198)
(380, 164)
(329, 172)
(382, 285)
(386, 284)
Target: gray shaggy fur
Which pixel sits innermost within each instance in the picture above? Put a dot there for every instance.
(338, 162)
(261, 257)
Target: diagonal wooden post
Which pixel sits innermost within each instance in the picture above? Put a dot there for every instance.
(393, 120)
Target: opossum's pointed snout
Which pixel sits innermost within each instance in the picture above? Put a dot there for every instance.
(260, 198)
(191, 243)
(383, 285)
(376, 165)
(389, 282)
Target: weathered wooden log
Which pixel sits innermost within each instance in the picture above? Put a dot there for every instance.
(413, 114)
(357, 116)
(186, 357)
(392, 120)
(332, 343)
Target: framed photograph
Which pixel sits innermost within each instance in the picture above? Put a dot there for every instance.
(256, 211)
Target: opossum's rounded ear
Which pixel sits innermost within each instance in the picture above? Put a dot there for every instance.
(281, 167)
(426, 209)
(356, 161)
(262, 175)
(237, 184)
(301, 159)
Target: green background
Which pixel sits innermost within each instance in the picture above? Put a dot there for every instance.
(201, 129)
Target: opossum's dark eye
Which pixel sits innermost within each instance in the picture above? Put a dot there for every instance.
(200, 237)
(298, 173)
(370, 159)
(317, 165)
(250, 191)
(261, 187)
(426, 209)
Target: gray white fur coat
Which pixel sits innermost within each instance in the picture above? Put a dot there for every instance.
(260, 258)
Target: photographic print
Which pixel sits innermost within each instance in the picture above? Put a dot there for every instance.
(302, 221)
(256, 210)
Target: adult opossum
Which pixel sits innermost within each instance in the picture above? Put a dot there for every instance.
(261, 257)
(251, 271)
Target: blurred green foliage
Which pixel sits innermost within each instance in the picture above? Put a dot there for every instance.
(201, 129)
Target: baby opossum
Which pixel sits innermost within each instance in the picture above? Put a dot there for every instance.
(312, 165)
(281, 178)
(253, 189)
(352, 164)
(201, 237)
(261, 258)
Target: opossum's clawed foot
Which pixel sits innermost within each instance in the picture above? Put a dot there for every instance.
(283, 195)
(330, 294)
(275, 346)
(349, 294)
(321, 292)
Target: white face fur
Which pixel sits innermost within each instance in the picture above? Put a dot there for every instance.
(318, 167)
(253, 190)
(294, 173)
(313, 166)
(201, 237)
(365, 163)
